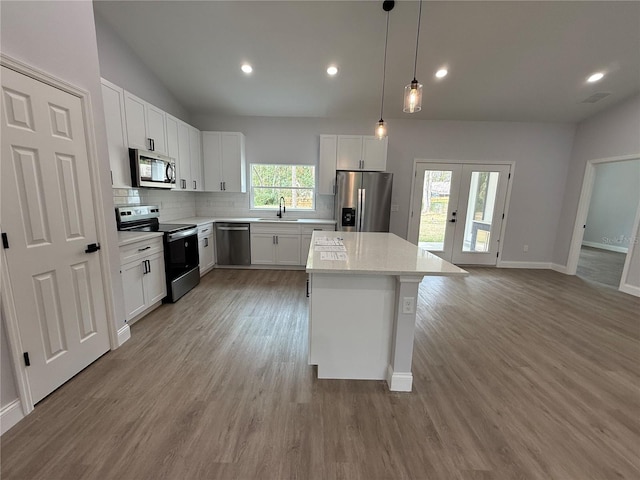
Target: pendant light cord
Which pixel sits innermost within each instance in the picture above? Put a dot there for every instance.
(384, 66)
(415, 63)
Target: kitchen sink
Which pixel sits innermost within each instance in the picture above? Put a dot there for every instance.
(278, 219)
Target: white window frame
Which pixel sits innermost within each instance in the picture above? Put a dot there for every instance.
(289, 208)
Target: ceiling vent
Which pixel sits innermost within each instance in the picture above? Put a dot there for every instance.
(596, 97)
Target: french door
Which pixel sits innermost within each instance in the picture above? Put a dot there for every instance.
(457, 211)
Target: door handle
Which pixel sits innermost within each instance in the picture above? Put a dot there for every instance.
(92, 247)
(453, 220)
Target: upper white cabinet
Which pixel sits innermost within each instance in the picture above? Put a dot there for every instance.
(183, 162)
(361, 152)
(327, 164)
(146, 126)
(224, 162)
(195, 151)
(113, 100)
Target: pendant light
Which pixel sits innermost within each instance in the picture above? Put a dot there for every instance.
(381, 126)
(413, 91)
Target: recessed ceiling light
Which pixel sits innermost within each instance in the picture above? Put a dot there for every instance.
(332, 70)
(595, 77)
(442, 73)
(246, 68)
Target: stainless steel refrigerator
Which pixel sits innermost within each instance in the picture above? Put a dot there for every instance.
(363, 201)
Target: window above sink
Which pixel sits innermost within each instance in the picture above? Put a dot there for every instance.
(296, 183)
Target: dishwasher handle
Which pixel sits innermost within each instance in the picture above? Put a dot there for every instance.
(235, 229)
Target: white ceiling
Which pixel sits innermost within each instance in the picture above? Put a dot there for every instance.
(508, 61)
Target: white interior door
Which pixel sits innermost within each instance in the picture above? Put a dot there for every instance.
(457, 211)
(48, 217)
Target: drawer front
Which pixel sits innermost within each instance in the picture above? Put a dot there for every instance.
(309, 229)
(205, 230)
(275, 228)
(139, 250)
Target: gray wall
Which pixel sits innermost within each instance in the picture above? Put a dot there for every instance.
(59, 37)
(120, 65)
(541, 153)
(614, 202)
(614, 132)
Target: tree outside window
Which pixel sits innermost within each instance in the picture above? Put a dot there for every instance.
(296, 183)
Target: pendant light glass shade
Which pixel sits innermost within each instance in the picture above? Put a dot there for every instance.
(381, 129)
(413, 91)
(412, 97)
(381, 126)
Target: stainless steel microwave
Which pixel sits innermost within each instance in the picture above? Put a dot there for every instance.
(151, 169)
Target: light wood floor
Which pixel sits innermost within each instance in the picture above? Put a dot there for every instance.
(518, 375)
(602, 266)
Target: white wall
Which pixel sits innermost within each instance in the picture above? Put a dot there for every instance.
(120, 65)
(614, 202)
(59, 37)
(8, 391)
(541, 153)
(612, 133)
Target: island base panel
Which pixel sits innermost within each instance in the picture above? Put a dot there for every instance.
(350, 325)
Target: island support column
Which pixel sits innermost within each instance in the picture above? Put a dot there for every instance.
(399, 376)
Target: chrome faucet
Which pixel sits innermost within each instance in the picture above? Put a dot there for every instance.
(281, 207)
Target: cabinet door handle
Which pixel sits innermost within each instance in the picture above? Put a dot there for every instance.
(148, 266)
(145, 248)
(206, 242)
(276, 239)
(273, 239)
(144, 267)
(152, 145)
(195, 185)
(224, 185)
(307, 288)
(221, 186)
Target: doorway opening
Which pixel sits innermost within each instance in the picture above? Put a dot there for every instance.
(608, 230)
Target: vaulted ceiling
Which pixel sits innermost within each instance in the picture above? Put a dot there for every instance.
(507, 61)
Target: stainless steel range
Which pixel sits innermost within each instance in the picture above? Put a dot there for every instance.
(181, 257)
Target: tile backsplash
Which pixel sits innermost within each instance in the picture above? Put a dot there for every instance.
(175, 205)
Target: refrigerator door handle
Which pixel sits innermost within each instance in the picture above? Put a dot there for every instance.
(362, 200)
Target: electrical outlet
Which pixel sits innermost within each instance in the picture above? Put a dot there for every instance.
(525, 248)
(407, 304)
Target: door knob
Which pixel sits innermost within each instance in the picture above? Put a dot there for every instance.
(92, 247)
(453, 220)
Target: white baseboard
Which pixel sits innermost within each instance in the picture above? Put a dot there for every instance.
(399, 382)
(10, 415)
(630, 289)
(530, 265)
(605, 246)
(124, 334)
(559, 268)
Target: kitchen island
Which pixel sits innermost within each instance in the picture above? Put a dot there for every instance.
(363, 289)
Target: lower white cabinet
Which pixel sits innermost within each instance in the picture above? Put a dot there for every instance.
(143, 275)
(282, 244)
(206, 247)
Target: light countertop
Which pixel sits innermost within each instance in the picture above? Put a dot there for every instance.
(126, 238)
(205, 220)
(369, 253)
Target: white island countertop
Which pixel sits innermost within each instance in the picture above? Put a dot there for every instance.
(373, 253)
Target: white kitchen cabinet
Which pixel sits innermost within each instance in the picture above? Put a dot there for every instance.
(275, 244)
(327, 164)
(361, 152)
(206, 247)
(183, 162)
(224, 162)
(146, 127)
(195, 152)
(143, 276)
(114, 115)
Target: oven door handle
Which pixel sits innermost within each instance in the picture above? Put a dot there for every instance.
(182, 234)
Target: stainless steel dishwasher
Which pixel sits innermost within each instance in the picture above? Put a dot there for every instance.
(233, 244)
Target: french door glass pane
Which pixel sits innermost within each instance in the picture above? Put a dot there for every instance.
(482, 200)
(435, 205)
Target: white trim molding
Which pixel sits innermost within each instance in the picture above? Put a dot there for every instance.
(630, 289)
(559, 268)
(529, 265)
(124, 334)
(399, 382)
(10, 414)
(604, 246)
